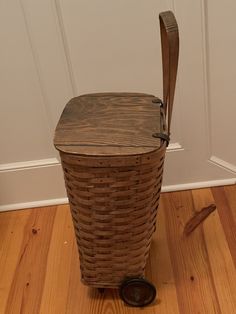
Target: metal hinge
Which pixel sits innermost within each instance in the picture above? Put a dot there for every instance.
(162, 136)
(157, 100)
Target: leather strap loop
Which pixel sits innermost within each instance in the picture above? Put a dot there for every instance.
(170, 56)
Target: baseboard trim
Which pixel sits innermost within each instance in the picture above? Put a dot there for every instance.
(30, 164)
(167, 188)
(198, 185)
(42, 203)
(174, 147)
(223, 164)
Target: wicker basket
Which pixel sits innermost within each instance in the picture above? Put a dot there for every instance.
(112, 148)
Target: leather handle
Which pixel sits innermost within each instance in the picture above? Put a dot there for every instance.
(170, 56)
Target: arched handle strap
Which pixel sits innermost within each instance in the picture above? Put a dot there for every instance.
(170, 56)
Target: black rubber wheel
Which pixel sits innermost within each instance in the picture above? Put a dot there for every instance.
(137, 292)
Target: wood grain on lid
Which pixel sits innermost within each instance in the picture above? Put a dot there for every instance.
(109, 124)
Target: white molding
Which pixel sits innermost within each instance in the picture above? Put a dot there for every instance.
(198, 185)
(31, 182)
(43, 203)
(61, 27)
(173, 147)
(206, 78)
(223, 164)
(167, 188)
(53, 73)
(37, 65)
(23, 165)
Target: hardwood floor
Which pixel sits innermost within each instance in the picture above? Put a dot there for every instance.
(39, 264)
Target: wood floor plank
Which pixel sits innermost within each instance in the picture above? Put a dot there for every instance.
(27, 284)
(195, 289)
(40, 271)
(227, 216)
(159, 269)
(230, 193)
(110, 303)
(11, 235)
(77, 296)
(221, 263)
(56, 284)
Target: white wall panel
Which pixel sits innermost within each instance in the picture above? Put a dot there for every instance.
(115, 46)
(52, 50)
(221, 28)
(44, 28)
(25, 130)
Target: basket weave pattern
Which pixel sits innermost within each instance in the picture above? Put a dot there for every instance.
(114, 203)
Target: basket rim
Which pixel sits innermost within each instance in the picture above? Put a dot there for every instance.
(92, 156)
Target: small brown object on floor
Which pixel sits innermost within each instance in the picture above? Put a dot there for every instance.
(198, 218)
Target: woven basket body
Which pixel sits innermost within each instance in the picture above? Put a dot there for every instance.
(114, 214)
(113, 190)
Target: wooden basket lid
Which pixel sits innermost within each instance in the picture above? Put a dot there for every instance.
(109, 124)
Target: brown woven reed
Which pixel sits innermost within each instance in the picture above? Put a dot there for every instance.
(112, 148)
(114, 213)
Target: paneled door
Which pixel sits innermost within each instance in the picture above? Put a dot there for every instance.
(52, 50)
